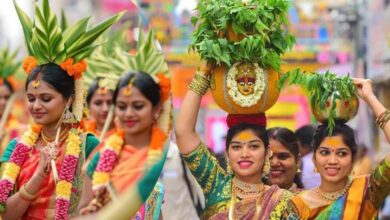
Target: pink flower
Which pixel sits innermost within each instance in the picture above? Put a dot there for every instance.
(69, 165)
(62, 207)
(107, 161)
(5, 187)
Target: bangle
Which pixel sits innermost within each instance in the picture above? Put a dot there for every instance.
(199, 84)
(383, 118)
(24, 194)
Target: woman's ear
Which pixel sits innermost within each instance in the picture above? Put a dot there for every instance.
(157, 111)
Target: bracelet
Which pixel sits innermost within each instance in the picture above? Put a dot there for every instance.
(24, 194)
(382, 120)
(199, 84)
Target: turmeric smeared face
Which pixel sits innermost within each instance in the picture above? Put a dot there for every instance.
(246, 155)
(333, 159)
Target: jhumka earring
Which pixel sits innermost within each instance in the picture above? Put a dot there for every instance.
(267, 163)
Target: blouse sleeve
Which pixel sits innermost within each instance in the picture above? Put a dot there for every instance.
(379, 183)
(91, 143)
(8, 151)
(205, 169)
(92, 165)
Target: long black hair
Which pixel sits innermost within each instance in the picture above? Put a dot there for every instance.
(143, 82)
(289, 140)
(55, 76)
(340, 128)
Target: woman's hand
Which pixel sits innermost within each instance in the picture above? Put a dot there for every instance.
(205, 67)
(43, 168)
(364, 88)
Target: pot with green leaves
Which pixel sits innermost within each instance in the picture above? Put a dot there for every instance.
(245, 88)
(344, 109)
(332, 98)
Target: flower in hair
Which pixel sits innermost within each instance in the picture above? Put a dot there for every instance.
(29, 64)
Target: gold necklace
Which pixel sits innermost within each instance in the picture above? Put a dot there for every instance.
(332, 196)
(48, 140)
(246, 190)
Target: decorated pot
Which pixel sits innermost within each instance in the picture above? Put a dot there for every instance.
(245, 88)
(345, 110)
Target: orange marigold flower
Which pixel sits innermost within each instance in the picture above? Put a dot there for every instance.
(158, 139)
(36, 128)
(29, 64)
(165, 86)
(80, 68)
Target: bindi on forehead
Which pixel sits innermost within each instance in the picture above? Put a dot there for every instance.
(333, 142)
(246, 136)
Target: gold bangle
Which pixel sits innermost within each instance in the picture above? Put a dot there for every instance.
(199, 84)
(24, 194)
(383, 118)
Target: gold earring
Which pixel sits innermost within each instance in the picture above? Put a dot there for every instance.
(299, 170)
(315, 170)
(68, 117)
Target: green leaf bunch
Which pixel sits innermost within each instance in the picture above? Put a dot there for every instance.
(261, 23)
(148, 59)
(321, 88)
(8, 64)
(52, 42)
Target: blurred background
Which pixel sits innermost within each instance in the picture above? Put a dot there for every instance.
(346, 36)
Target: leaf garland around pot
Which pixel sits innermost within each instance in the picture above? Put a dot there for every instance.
(252, 31)
(332, 98)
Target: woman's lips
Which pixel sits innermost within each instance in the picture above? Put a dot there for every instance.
(244, 164)
(38, 114)
(130, 123)
(331, 171)
(276, 173)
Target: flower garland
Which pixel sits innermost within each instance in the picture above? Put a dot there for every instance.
(111, 152)
(235, 94)
(66, 175)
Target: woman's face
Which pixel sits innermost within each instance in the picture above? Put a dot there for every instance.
(99, 105)
(5, 94)
(44, 103)
(333, 159)
(283, 165)
(246, 156)
(134, 111)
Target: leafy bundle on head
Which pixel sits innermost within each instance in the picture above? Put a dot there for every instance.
(258, 23)
(8, 64)
(322, 88)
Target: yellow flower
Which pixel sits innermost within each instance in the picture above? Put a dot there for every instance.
(73, 149)
(115, 142)
(100, 178)
(11, 170)
(29, 138)
(64, 189)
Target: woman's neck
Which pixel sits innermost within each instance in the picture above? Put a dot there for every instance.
(250, 179)
(333, 186)
(51, 130)
(100, 126)
(139, 140)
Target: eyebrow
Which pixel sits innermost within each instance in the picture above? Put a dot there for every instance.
(341, 148)
(252, 141)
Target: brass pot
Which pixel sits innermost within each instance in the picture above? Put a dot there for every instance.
(345, 110)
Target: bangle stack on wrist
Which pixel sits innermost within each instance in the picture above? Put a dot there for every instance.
(24, 194)
(199, 84)
(382, 120)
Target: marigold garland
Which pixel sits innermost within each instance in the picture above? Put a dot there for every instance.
(165, 86)
(76, 70)
(111, 152)
(29, 64)
(66, 174)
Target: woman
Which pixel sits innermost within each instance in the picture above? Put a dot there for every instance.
(35, 185)
(42, 169)
(338, 196)
(9, 126)
(138, 106)
(99, 101)
(240, 194)
(284, 160)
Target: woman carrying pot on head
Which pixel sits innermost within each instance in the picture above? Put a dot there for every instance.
(338, 196)
(240, 193)
(143, 111)
(42, 168)
(285, 159)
